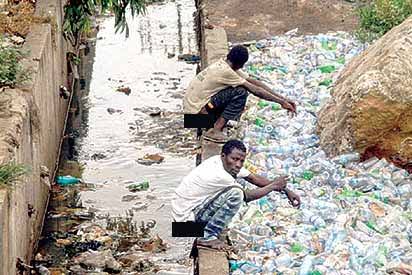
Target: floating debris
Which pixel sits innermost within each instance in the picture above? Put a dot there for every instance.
(150, 159)
(125, 90)
(136, 187)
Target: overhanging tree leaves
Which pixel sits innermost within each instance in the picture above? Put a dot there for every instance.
(77, 14)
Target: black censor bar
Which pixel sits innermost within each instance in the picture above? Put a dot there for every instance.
(188, 229)
(198, 121)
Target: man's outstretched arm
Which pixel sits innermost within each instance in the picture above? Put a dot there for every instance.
(251, 195)
(264, 182)
(261, 90)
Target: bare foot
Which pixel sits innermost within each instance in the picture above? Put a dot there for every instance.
(215, 135)
(214, 244)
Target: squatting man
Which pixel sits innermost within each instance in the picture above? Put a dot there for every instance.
(210, 193)
(221, 90)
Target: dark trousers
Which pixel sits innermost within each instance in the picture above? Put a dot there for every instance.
(228, 103)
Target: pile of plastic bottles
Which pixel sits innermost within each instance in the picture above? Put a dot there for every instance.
(355, 218)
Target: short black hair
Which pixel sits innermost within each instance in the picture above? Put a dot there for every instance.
(238, 55)
(232, 144)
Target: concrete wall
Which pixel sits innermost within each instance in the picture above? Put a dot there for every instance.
(31, 124)
(213, 45)
(212, 40)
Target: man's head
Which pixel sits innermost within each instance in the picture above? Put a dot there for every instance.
(233, 156)
(238, 56)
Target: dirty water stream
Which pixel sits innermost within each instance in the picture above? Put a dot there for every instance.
(117, 128)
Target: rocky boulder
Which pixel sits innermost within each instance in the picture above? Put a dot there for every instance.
(371, 106)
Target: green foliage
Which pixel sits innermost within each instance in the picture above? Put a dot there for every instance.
(380, 16)
(77, 14)
(11, 71)
(11, 171)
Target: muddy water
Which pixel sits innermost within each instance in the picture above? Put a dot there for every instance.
(118, 129)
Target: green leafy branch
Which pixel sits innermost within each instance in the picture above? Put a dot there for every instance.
(380, 16)
(78, 13)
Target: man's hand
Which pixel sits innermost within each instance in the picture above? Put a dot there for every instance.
(293, 198)
(289, 105)
(279, 184)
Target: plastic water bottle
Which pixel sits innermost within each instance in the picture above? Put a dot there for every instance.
(347, 158)
(321, 204)
(66, 180)
(250, 268)
(334, 239)
(308, 140)
(306, 266)
(283, 260)
(262, 230)
(269, 266)
(310, 218)
(265, 205)
(405, 190)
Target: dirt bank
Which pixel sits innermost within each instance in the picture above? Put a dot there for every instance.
(249, 20)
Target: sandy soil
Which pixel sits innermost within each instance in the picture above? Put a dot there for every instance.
(249, 20)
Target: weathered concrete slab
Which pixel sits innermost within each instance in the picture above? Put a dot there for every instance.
(217, 46)
(210, 149)
(213, 263)
(213, 45)
(31, 124)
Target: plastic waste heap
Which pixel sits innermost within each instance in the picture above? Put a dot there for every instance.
(355, 217)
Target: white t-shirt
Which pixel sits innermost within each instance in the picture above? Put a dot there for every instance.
(200, 185)
(208, 82)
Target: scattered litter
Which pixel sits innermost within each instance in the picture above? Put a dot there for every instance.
(112, 111)
(150, 159)
(67, 180)
(97, 156)
(16, 39)
(125, 90)
(142, 186)
(128, 198)
(139, 206)
(189, 58)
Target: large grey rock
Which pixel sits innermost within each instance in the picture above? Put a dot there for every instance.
(371, 106)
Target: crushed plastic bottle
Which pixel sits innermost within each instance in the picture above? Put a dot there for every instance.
(67, 180)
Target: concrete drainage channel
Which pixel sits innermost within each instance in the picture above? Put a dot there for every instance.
(124, 138)
(126, 141)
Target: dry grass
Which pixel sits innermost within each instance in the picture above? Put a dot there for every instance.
(16, 19)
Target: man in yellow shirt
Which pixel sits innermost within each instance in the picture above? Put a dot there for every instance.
(221, 90)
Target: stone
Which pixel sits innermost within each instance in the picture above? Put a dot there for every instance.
(142, 265)
(112, 111)
(128, 259)
(125, 90)
(150, 159)
(128, 198)
(371, 106)
(17, 39)
(63, 242)
(139, 206)
(98, 156)
(98, 259)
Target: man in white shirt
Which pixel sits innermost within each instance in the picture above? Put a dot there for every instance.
(210, 193)
(221, 90)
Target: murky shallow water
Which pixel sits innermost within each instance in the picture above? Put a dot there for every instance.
(118, 128)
